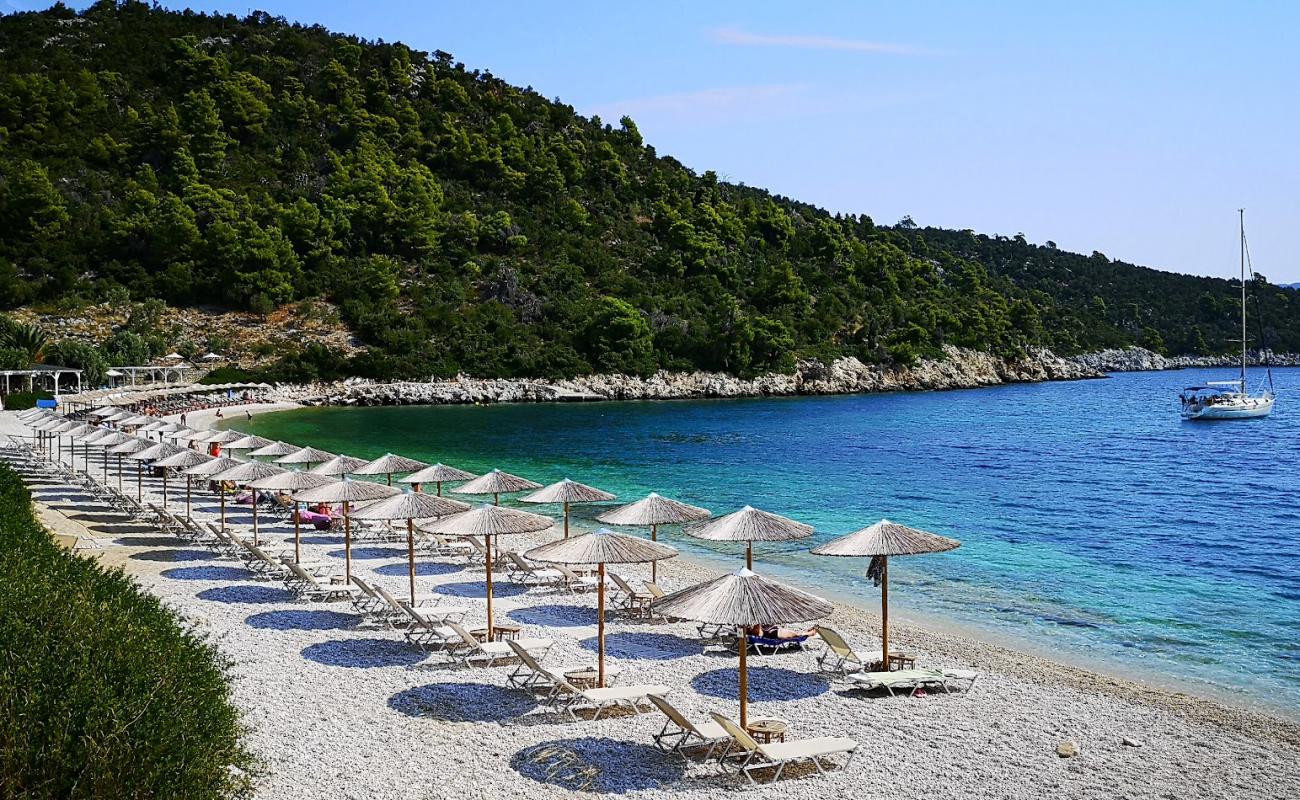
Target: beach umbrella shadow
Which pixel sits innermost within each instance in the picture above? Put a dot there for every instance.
(252, 595)
(300, 620)
(478, 589)
(363, 653)
(206, 574)
(369, 553)
(171, 555)
(646, 646)
(765, 684)
(462, 702)
(553, 615)
(323, 539)
(422, 568)
(598, 764)
(149, 541)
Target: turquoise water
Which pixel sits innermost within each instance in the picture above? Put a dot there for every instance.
(1095, 523)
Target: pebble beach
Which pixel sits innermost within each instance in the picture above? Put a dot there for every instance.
(338, 707)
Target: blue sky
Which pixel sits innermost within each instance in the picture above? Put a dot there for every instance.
(1136, 129)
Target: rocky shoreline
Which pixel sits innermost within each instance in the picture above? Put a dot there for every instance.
(961, 369)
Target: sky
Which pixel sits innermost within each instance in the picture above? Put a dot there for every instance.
(1133, 128)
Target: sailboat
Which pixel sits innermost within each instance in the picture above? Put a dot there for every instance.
(1229, 399)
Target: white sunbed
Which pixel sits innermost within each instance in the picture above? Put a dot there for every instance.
(753, 756)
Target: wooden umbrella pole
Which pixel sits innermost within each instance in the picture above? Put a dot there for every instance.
(255, 540)
(139, 481)
(410, 555)
(164, 489)
(744, 678)
(221, 492)
(390, 479)
(347, 546)
(119, 473)
(566, 528)
(884, 614)
(189, 479)
(600, 626)
(105, 467)
(487, 557)
(297, 535)
(439, 485)
(654, 565)
(749, 556)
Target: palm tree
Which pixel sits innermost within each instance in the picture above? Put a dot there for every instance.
(27, 337)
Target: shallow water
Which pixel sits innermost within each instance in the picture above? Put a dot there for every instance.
(1094, 523)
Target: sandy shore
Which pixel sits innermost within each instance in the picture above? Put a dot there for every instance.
(336, 708)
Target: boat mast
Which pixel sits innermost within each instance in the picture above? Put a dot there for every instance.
(1241, 215)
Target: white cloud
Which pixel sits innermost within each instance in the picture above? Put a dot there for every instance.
(737, 36)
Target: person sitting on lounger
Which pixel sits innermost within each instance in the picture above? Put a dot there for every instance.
(781, 634)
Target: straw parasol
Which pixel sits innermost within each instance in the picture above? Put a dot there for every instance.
(497, 483)
(339, 465)
(185, 459)
(216, 466)
(245, 472)
(654, 510)
(743, 599)
(133, 445)
(104, 411)
(387, 464)
(292, 481)
(489, 522)
(346, 491)
(438, 474)
(750, 525)
(249, 442)
(566, 492)
(275, 449)
(152, 453)
(305, 455)
(186, 435)
(879, 542)
(601, 547)
(410, 506)
(111, 440)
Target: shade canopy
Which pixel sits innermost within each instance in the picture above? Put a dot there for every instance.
(344, 491)
(750, 525)
(103, 411)
(339, 465)
(389, 463)
(158, 450)
(567, 491)
(214, 467)
(488, 520)
(187, 434)
(276, 449)
(246, 471)
(601, 546)
(289, 481)
(249, 442)
(137, 420)
(113, 439)
(743, 599)
(83, 431)
(118, 415)
(438, 473)
(886, 538)
(104, 435)
(133, 446)
(411, 505)
(305, 455)
(497, 482)
(222, 437)
(654, 510)
(183, 460)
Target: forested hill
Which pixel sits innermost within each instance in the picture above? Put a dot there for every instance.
(463, 224)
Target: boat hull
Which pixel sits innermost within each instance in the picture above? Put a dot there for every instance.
(1253, 408)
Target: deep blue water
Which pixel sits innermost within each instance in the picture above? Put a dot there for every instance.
(1095, 524)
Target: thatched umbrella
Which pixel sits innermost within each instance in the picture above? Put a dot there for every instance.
(249, 442)
(346, 491)
(207, 469)
(104, 411)
(292, 481)
(601, 547)
(185, 459)
(220, 438)
(92, 438)
(113, 439)
(244, 473)
(743, 600)
(152, 453)
(489, 522)
(438, 474)
(750, 525)
(136, 421)
(654, 510)
(388, 464)
(566, 492)
(497, 483)
(184, 435)
(78, 434)
(303, 455)
(275, 449)
(410, 506)
(879, 542)
(133, 445)
(339, 466)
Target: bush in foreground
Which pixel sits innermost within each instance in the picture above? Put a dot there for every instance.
(103, 693)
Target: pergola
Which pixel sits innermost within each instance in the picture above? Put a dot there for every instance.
(156, 373)
(50, 376)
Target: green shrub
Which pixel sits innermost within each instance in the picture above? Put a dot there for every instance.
(103, 693)
(19, 401)
(230, 375)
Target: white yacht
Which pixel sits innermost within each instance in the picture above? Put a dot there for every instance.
(1230, 399)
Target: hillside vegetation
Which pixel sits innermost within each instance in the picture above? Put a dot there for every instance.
(463, 224)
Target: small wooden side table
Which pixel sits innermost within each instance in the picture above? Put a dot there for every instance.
(587, 677)
(766, 730)
(901, 661)
(499, 632)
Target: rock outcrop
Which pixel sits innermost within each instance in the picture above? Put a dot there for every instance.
(1138, 359)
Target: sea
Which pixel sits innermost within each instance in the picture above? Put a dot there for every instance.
(1097, 527)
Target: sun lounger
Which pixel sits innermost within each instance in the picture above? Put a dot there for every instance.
(426, 634)
(679, 734)
(752, 756)
(903, 680)
(489, 653)
(839, 656)
(575, 583)
(308, 587)
(571, 699)
(771, 645)
(519, 571)
(434, 611)
(952, 676)
(628, 599)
